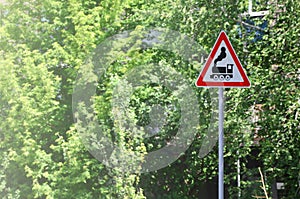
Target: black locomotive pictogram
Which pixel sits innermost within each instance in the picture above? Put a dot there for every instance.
(222, 72)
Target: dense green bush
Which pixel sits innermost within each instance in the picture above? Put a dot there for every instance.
(43, 45)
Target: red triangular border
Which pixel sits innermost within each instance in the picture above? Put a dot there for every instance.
(201, 83)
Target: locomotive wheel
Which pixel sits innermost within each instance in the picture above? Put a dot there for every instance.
(221, 77)
(216, 77)
(227, 77)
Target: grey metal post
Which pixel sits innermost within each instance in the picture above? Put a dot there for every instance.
(221, 135)
(239, 175)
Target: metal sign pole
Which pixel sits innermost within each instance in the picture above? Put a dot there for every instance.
(221, 135)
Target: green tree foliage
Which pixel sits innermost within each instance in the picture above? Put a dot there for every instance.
(43, 45)
(277, 89)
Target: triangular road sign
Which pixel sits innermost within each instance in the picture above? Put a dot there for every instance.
(223, 67)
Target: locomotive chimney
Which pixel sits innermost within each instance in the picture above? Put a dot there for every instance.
(221, 56)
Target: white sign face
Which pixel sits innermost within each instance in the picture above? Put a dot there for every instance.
(223, 68)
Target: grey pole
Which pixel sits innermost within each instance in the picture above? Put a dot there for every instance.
(221, 135)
